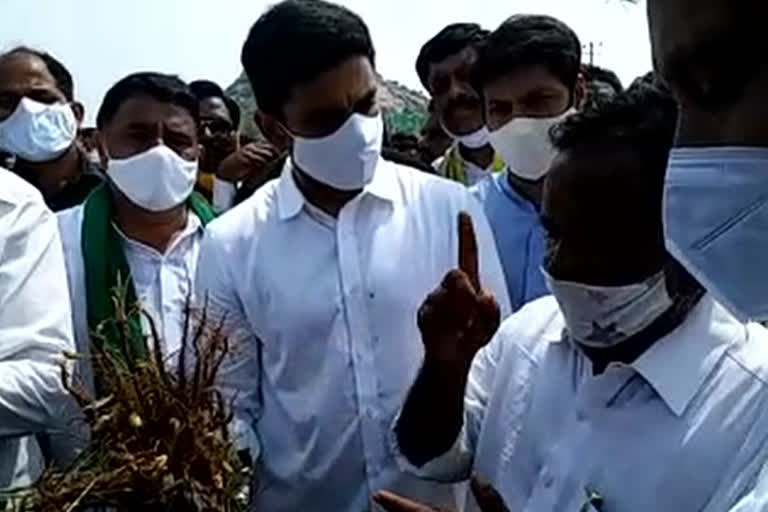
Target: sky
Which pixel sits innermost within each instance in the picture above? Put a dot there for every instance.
(100, 41)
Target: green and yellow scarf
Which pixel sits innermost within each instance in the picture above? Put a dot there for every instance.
(454, 168)
(107, 273)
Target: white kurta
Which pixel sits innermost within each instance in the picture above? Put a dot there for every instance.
(685, 427)
(35, 327)
(334, 302)
(162, 281)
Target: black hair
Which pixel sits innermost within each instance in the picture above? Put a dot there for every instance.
(642, 118)
(449, 41)
(530, 40)
(297, 40)
(234, 111)
(594, 73)
(60, 74)
(165, 88)
(204, 89)
(87, 132)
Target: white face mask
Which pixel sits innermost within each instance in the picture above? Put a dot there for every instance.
(524, 145)
(604, 316)
(474, 140)
(346, 159)
(38, 132)
(156, 180)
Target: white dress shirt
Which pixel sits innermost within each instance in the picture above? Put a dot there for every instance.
(163, 281)
(334, 302)
(683, 428)
(35, 326)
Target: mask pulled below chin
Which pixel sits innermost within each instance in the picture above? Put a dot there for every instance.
(716, 221)
(474, 140)
(605, 316)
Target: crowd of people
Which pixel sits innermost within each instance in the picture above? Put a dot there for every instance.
(550, 301)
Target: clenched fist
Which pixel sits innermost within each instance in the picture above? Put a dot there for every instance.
(459, 317)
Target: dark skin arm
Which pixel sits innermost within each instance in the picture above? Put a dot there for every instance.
(486, 496)
(456, 321)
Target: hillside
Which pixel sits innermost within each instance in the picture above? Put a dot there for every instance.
(404, 109)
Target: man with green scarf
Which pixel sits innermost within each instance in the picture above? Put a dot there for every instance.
(141, 231)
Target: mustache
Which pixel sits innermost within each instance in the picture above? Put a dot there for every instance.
(463, 101)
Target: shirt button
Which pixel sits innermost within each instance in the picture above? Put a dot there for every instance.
(581, 415)
(547, 480)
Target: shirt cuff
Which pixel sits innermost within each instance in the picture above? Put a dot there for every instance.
(224, 194)
(455, 465)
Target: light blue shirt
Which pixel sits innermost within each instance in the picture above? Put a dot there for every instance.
(332, 303)
(684, 427)
(520, 238)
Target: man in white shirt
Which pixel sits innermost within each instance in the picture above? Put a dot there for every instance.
(145, 226)
(35, 329)
(629, 389)
(321, 272)
(445, 65)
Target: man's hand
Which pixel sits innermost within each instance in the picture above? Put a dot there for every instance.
(486, 496)
(247, 162)
(459, 317)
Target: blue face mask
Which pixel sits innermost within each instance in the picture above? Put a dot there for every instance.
(716, 223)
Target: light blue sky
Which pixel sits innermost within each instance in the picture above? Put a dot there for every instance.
(102, 40)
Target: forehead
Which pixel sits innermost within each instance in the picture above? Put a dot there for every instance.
(339, 87)
(145, 110)
(214, 108)
(21, 72)
(521, 81)
(463, 58)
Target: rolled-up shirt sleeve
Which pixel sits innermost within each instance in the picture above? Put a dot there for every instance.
(455, 465)
(240, 373)
(35, 318)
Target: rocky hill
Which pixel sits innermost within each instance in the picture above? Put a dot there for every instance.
(405, 110)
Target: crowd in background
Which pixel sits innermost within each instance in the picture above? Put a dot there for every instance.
(545, 301)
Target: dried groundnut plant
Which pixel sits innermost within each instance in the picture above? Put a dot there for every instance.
(159, 436)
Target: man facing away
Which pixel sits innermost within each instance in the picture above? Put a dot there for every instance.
(630, 389)
(320, 273)
(39, 121)
(145, 225)
(445, 66)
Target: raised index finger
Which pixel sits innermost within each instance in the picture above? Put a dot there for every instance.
(468, 250)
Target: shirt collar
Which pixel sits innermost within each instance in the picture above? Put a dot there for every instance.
(502, 181)
(194, 227)
(290, 199)
(678, 364)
